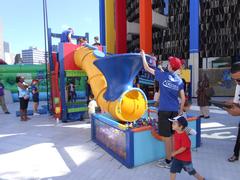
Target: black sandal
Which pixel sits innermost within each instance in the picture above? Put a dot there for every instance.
(233, 158)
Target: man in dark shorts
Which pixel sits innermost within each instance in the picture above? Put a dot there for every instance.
(171, 87)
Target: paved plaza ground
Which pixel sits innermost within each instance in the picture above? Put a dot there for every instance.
(41, 149)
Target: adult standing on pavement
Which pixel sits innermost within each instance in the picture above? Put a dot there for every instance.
(2, 99)
(23, 95)
(171, 87)
(235, 110)
(204, 93)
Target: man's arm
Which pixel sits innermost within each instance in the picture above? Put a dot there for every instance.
(145, 64)
(182, 96)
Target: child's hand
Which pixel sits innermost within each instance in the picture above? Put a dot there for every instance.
(173, 154)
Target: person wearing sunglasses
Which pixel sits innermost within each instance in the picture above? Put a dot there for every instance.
(235, 108)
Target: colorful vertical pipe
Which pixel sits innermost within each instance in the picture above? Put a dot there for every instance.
(145, 7)
(194, 26)
(110, 26)
(194, 44)
(121, 26)
(102, 22)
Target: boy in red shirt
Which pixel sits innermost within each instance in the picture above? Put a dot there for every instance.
(182, 150)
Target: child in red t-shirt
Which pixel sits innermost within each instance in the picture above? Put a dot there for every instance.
(182, 150)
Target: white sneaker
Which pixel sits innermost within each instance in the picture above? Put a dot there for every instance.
(36, 114)
(163, 164)
(190, 131)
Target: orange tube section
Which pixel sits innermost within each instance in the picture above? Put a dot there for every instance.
(145, 16)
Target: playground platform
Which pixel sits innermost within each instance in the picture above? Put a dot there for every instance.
(41, 149)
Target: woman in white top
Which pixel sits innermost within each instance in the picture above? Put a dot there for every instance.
(23, 95)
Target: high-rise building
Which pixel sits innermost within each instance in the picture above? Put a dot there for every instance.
(6, 47)
(33, 56)
(17, 59)
(8, 56)
(1, 41)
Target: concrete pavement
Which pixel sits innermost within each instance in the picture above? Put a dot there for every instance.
(41, 149)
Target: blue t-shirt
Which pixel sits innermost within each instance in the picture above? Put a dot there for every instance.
(34, 88)
(170, 85)
(64, 36)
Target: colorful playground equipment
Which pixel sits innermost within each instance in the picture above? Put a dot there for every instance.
(117, 32)
(114, 29)
(126, 127)
(111, 80)
(127, 131)
(66, 105)
(132, 142)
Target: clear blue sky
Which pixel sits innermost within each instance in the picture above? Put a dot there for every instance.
(22, 20)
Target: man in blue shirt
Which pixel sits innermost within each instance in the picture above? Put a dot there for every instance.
(66, 35)
(171, 87)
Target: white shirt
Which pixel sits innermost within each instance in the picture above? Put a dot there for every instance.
(236, 98)
(91, 106)
(22, 92)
